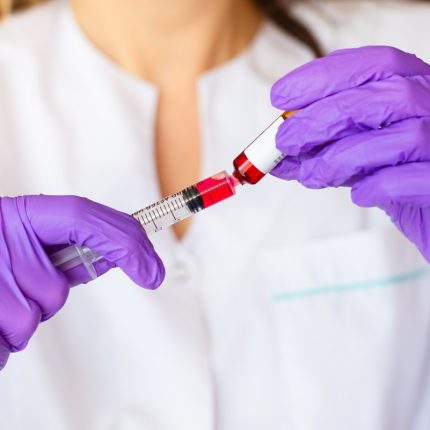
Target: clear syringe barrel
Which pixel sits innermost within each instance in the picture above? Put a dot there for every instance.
(77, 263)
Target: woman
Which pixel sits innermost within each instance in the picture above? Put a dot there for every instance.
(283, 308)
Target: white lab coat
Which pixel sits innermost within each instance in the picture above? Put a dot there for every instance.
(283, 308)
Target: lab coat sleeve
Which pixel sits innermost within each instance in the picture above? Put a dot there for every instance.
(351, 23)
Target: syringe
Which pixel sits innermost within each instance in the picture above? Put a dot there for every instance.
(78, 263)
(250, 166)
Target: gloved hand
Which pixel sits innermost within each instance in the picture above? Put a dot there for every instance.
(364, 122)
(31, 289)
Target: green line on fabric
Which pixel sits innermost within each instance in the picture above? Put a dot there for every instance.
(330, 289)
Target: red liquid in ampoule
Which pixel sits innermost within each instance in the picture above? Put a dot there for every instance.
(215, 189)
(245, 171)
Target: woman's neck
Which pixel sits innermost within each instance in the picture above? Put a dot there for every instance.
(154, 39)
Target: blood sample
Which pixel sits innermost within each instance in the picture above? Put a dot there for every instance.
(216, 189)
(261, 156)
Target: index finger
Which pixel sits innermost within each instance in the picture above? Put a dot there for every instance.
(342, 70)
(4, 352)
(116, 236)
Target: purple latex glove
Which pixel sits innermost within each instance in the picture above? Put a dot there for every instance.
(364, 122)
(31, 289)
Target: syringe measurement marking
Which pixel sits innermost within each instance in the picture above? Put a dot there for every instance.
(144, 218)
(165, 209)
(172, 210)
(153, 215)
(160, 210)
(179, 205)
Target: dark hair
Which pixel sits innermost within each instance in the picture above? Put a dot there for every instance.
(278, 12)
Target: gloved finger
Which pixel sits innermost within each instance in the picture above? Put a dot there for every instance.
(407, 184)
(343, 70)
(353, 157)
(289, 167)
(118, 237)
(53, 287)
(4, 352)
(30, 262)
(361, 109)
(27, 314)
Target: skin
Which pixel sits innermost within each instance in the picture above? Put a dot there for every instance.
(192, 36)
